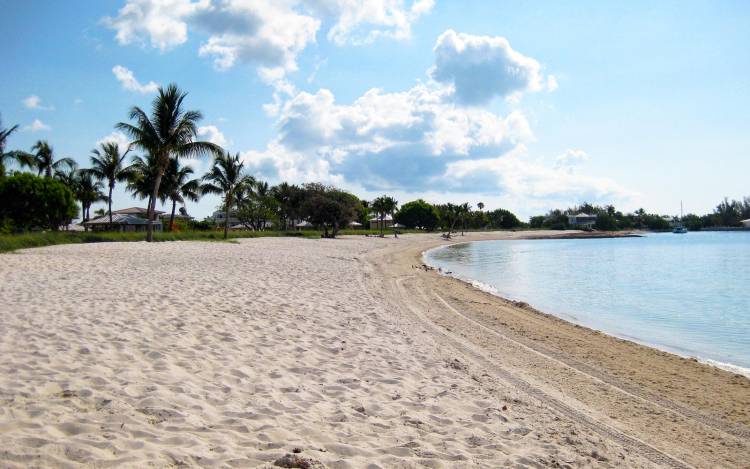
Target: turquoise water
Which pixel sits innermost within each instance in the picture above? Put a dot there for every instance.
(688, 294)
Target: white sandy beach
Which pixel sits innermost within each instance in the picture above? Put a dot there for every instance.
(234, 354)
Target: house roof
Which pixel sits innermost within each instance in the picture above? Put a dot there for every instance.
(135, 211)
(584, 215)
(387, 218)
(117, 219)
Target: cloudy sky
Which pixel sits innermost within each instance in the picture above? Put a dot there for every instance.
(521, 105)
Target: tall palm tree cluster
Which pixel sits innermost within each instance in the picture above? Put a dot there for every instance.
(165, 136)
(152, 168)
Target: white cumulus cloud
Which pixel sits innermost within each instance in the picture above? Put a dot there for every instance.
(127, 78)
(211, 133)
(483, 67)
(426, 139)
(122, 141)
(571, 158)
(364, 21)
(37, 126)
(162, 22)
(382, 140)
(514, 174)
(35, 102)
(269, 33)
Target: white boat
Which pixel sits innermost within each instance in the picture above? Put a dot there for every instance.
(679, 228)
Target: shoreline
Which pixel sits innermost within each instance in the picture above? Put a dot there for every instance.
(692, 410)
(527, 305)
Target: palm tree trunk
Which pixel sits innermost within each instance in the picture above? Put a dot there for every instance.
(382, 224)
(171, 217)
(152, 206)
(226, 215)
(83, 216)
(111, 186)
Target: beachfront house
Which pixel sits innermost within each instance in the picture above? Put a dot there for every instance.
(582, 220)
(127, 219)
(218, 218)
(375, 222)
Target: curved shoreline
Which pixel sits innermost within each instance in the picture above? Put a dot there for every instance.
(693, 411)
(487, 288)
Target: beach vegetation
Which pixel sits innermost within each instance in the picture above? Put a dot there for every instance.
(170, 131)
(418, 214)
(226, 178)
(178, 187)
(328, 207)
(108, 164)
(43, 160)
(87, 190)
(18, 157)
(382, 206)
(29, 202)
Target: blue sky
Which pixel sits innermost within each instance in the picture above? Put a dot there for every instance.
(521, 105)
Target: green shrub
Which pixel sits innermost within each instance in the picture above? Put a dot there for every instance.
(30, 202)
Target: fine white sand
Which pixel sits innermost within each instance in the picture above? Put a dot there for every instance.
(234, 354)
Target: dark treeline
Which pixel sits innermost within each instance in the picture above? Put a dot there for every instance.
(728, 213)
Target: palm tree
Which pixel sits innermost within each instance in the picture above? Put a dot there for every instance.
(87, 190)
(226, 178)
(463, 210)
(384, 205)
(142, 176)
(178, 186)
(44, 159)
(108, 164)
(170, 132)
(69, 177)
(480, 206)
(21, 157)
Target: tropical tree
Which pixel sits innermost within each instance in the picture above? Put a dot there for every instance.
(21, 157)
(225, 178)
(107, 164)
(33, 202)
(480, 206)
(44, 159)
(256, 204)
(417, 214)
(169, 132)
(384, 205)
(87, 190)
(141, 177)
(178, 187)
(288, 199)
(328, 206)
(463, 211)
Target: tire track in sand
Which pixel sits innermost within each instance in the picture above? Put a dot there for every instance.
(649, 452)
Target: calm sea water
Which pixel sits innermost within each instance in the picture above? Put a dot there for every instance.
(688, 294)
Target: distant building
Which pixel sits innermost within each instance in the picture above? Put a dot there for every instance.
(127, 219)
(581, 220)
(137, 211)
(218, 218)
(375, 223)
